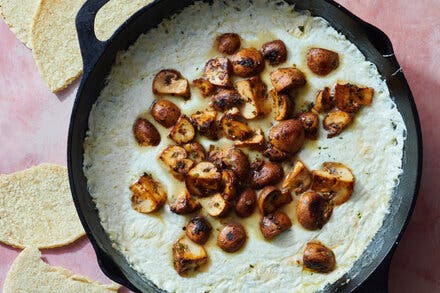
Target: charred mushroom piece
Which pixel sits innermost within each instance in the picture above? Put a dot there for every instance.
(205, 87)
(203, 179)
(171, 82)
(183, 131)
(298, 179)
(336, 121)
(228, 43)
(264, 174)
(188, 256)
(323, 101)
(231, 158)
(349, 97)
(274, 224)
(322, 61)
(145, 133)
(230, 185)
(286, 79)
(176, 158)
(282, 105)
(218, 71)
(274, 154)
(231, 237)
(310, 123)
(253, 91)
(247, 62)
(318, 258)
(287, 136)
(185, 204)
(206, 123)
(254, 142)
(195, 151)
(198, 229)
(275, 52)
(226, 99)
(313, 210)
(148, 195)
(234, 126)
(165, 112)
(217, 206)
(271, 199)
(246, 203)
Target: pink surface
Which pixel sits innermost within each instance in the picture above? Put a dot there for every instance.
(34, 124)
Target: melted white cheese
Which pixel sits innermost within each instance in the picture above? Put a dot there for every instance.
(371, 147)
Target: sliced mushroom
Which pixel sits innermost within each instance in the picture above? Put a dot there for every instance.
(265, 173)
(253, 91)
(286, 79)
(323, 101)
(274, 224)
(313, 210)
(254, 142)
(271, 199)
(218, 71)
(246, 203)
(185, 204)
(226, 99)
(183, 131)
(349, 97)
(247, 62)
(318, 258)
(165, 112)
(231, 237)
(287, 136)
(206, 123)
(336, 121)
(298, 179)
(310, 123)
(188, 256)
(228, 43)
(148, 195)
(198, 229)
(205, 87)
(203, 179)
(282, 105)
(322, 61)
(217, 206)
(230, 185)
(171, 82)
(145, 133)
(176, 158)
(195, 151)
(234, 126)
(275, 52)
(230, 158)
(274, 154)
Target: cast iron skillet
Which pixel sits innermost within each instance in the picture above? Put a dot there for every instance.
(370, 272)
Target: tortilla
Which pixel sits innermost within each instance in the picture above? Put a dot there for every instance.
(29, 273)
(19, 14)
(36, 208)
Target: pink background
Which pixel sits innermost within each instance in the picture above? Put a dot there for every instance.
(34, 124)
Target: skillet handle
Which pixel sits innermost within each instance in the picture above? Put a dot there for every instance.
(91, 47)
(379, 39)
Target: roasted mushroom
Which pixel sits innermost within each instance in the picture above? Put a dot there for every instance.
(247, 62)
(271, 199)
(218, 71)
(188, 256)
(206, 123)
(145, 133)
(265, 173)
(228, 43)
(195, 151)
(313, 210)
(148, 195)
(203, 179)
(349, 97)
(216, 205)
(230, 185)
(336, 121)
(274, 224)
(318, 258)
(246, 203)
(287, 79)
(234, 126)
(310, 123)
(323, 101)
(287, 136)
(298, 179)
(282, 105)
(253, 91)
(165, 112)
(226, 99)
(231, 237)
(231, 158)
(183, 131)
(185, 204)
(275, 52)
(322, 61)
(171, 82)
(274, 154)
(176, 158)
(198, 229)
(205, 87)
(255, 141)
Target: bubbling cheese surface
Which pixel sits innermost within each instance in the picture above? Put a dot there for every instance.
(371, 147)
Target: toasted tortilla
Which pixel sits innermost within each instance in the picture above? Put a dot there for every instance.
(36, 208)
(29, 273)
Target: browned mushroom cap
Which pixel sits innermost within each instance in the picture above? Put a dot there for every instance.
(183, 131)
(274, 224)
(145, 133)
(349, 97)
(206, 123)
(195, 151)
(246, 203)
(274, 154)
(234, 126)
(218, 71)
(230, 158)
(275, 52)
(322, 61)
(271, 199)
(203, 179)
(286, 79)
(185, 204)
(228, 43)
(253, 90)
(231, 237)
(230, 185)
(198, 229)
(323, 101)
(148, 195)
(282, 106)
(287, 136)
(205, 87)
(336, 121)
(247, 62)
(313, 210)
(226, 99)
(298, 179)
(265, 173)
(319, 258)
(310, 123)
(216, 205)
(165, 112)
(176, 158)
(255, 141)
(188, 256)
(171, 82)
